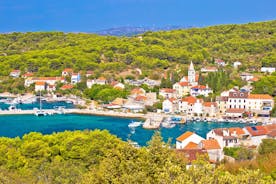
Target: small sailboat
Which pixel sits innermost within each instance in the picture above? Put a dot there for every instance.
(40, 112)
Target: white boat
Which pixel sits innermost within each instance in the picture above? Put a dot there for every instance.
(168, 124)
(40, 112)
(135, 124)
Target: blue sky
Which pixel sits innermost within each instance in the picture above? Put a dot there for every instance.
(94, 15)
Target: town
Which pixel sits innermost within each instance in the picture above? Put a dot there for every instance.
(187, 98)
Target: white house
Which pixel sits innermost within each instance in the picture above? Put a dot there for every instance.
(236, 64)
(256, 134)
(99, 81)
(182, 88)
(220, 62)
(210, 108)
(183, 140)
(15, 73)
(226, 137)
(268, 69)
(75, 78)
(237, 100)
(246, 76)
(208, 69)
(200, 90)
(48, 80)
(190, 105)
(67, 72)
(169, 105)
(215, 152)
(259, 102)
(40, 86)
(167, 93)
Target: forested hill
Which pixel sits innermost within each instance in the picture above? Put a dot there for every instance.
(49, 52)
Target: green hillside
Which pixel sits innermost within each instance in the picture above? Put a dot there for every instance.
(47, 53)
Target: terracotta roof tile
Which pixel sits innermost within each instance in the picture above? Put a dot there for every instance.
(210, 144)
(191, 145)
(209, 104)
(184, 136)
(235, 110)
(40, 83)
(167, 90)
(238, 130)
(256, 130)
(260, 96)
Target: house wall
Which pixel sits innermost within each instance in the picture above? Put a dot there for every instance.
(193, 138)
(215, 154)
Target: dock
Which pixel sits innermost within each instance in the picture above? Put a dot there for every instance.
(153, 122)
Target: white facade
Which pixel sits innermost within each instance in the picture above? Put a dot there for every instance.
(182, 88)
(200, 90)
(268, 69)
(75, 78)
(168, 93)
(192, 138)
(40, 87)
(224, 140)
(167, 106)
(237, 100)
(192, 74)
(198, 107)
(49, 80)
(246, 76)
(90, 83)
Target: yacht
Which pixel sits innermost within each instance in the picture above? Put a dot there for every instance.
(12, 107)
(168, 124)
(135, 124)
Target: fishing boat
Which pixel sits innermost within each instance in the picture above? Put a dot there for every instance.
(135, 124)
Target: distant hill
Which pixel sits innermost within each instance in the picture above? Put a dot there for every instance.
(47, 53)
(131, 31)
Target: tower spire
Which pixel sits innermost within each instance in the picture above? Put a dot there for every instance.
(191, 66)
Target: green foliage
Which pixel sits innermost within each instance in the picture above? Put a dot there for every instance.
(266, 85)
(99, 157)
(104, 93)
(47, 53)
(267, 146)
(239, 153)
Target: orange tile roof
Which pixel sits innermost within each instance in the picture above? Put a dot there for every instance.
(209, 104)
(40, 83)
(68, 70)
(210, 144)
(102, 78)
(184, 136)
(254, 79)
(183, 84)
(28, 74)
(137, 91)
(201, 87)
(191, 145)
(189, 99)
(66, 86)
(239, 131)
(167, 90)
(256, 130)
(140, 98)
(48, 78)
(260, 96)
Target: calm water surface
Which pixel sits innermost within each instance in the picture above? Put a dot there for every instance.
(18, 125)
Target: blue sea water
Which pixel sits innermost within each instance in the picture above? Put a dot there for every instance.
(45, 105)
(18, 125)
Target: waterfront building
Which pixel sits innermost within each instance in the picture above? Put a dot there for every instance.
(221, 102)
(237, 100)
(182, 88)
(260, 103)
(234, 113)
(188, 140)
(15, 73)
(210, 108)
(67, 72)
(169, 105)
(49, 80)
(40, 86)
(75, 78)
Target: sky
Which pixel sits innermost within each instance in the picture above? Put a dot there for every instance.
(95, 15)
